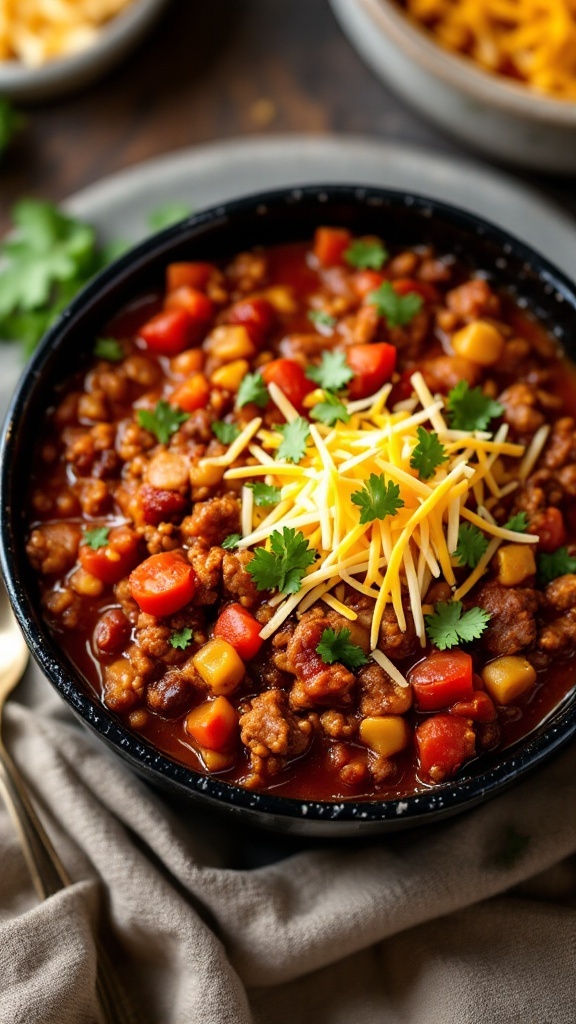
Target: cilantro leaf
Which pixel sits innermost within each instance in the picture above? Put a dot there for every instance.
(377, 499)
(110, 349)
(295, 436)
(320, 319)
(330, 410)
(265, 494)
(333, 373)
(428, 454)
(10, 122)
(512, 848)
(231, 541)
(519, 523)
(470, 409)
(96, 538)
(283, 567)
(225, 432)
(471, 545)
(182, 638)
(252, 389)
(448, 627)
(167, 214)
(366, 254)
(335, 645)
(397, 310)
(163, 421)
(555, 564)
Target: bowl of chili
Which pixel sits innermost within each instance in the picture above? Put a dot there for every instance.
(297, 539)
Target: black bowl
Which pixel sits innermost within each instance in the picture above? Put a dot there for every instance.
(218, 233)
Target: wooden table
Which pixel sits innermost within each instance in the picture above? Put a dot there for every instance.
(210, 71)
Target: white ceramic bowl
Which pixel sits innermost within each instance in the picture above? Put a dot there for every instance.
(56, 77)
(499, 117)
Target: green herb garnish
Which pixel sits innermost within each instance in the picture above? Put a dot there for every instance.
(472, 544)
(557, 563)
(366, 255)
(470, 409)
(265, 494)
(283, 567)
(519, 523)
(294, 438)
(397, 310)
(97, 537)
(182, 638)
(448, 627)
(225, 432)
(428, 454)
(163, 421)
(332, 373)
(252, 389)
(335, 645)
(231, 541)
(321, 319)
(377, 499)
(109, 349)
(330, 411)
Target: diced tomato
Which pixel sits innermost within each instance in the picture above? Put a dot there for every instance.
(195, 275)
(442, 679)
(258, 316)
(160, 506)
(426, 291)
(330, 244)
(372, 364)
(112, 562)
(213, 724)
(290, 378)
(365, 281)
(198, 305)
(444, 742)
(479, 707)
(240, 629)
(170, 332)
(163, 583)
(192, 394)
(550, 528)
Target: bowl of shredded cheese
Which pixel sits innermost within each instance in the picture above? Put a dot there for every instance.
(498, 74)
(48, 47)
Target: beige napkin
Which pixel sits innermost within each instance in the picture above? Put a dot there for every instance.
(470, 922)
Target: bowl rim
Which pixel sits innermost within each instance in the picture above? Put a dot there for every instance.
(461, 73)
(422, 807)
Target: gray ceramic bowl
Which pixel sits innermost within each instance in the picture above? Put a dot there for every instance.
(220, 232)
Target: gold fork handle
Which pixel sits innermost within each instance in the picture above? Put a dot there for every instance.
(50, 876)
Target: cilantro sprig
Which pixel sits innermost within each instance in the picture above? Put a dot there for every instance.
(323, 321)
(366, 254)
(294, 438)
(330, 410)
(182, 638)
(557, 563)
(377, 499)
(332, 373)
(519, 523)
(265, 494)
(448, 626)
(252, 389)
(428, 454)
(97, 537)
(231, 541)
(109, 349)
(225, 432)
(282, 568)
(472, 544)
(470, 409)
(335, 645)
(397, 310)
(162, 421)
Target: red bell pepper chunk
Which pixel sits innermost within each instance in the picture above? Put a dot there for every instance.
(236, 625)
(330, 244)
(110, 563)
(372, 364)
(192, 394)
(426, 291)
(444, 742)
(198, 305)
(195, 275)
(258, 316)
(479, 707)
(290, 378)
(163, 583)
(442, 679)
(170, 332)
(213, 724)
(550, 529)
(365, 281)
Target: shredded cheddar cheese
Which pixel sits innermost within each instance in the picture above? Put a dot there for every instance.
(388, 558)
(530, 40)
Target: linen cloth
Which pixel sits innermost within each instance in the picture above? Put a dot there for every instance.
(208, 922)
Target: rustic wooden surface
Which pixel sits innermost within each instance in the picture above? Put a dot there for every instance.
(210, 71)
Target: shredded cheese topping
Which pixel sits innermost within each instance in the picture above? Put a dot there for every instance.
(385, 558)
(530, 40)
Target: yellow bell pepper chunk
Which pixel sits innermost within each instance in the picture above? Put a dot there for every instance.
(231, 375)
(508, 677)
(385, 735)
(220, 666)
(480, 342)
(516, 563)
(230, 341)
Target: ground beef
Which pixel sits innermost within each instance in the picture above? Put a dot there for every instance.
(379, 694)
(212, 520)
(472, 300)
(337, 725)
(53, 547)
(123, 687)
(559, 633)
(561, 446)
(237, 581)
(207, 565)
(393, 642)
(316, 683)
(521, 411)
(270, 727)
(542, 489)
(512, 609)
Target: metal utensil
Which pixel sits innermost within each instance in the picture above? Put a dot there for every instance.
(48, 873)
